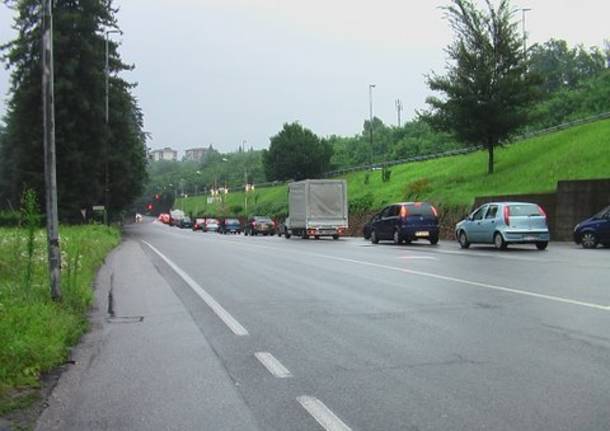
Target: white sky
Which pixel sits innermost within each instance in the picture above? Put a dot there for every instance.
(223, 71)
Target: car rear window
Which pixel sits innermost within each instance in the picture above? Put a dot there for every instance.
(525, 210)
(421, 209)
(263, 220)
(231, 221)
(212, 221)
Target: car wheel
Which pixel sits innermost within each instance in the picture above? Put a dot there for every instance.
(366, 235)
(335, 237)
(499, 242)
(317, 236)
(607, 245)
(463, 240)
(589, 240)
(434, 240)
(396, 239)
(374, 238)
(542, 245)
(304, 235)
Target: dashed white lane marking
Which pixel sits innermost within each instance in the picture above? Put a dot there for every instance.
(322, 414)
(223, 314)
(272, 365)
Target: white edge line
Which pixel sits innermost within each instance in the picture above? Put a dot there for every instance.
(223, 314)
(452, 279)
(272, 365)
(322, 414)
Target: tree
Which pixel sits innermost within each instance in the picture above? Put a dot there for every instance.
(82, 136)
(560, 67)
(487, 89)
(296, 153)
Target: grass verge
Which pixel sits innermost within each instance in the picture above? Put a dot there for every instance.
(36, 334)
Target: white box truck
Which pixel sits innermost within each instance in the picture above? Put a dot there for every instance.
(317, 208)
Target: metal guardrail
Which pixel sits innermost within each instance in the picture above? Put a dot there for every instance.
(449, 153)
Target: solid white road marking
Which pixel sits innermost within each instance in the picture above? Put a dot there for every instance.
(418, 257)
(440, 277)
(272, 365)
(223, 314)
(322, 414)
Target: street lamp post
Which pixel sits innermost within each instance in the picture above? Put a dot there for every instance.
(371, 86)
(523, 11)
(107, 150)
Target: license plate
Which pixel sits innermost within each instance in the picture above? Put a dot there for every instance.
(530, 238)
(264, 226)
(422, 234)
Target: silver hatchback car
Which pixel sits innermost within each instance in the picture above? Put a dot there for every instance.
(504, 223)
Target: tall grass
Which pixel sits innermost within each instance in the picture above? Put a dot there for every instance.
(35, 332)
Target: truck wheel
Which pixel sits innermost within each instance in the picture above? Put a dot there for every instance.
(304, 235)
(287, 235)
(374, 238)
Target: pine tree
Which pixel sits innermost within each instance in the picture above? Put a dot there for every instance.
(82, 136)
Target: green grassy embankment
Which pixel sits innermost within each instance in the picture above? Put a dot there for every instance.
(35, 332)
(531, 166)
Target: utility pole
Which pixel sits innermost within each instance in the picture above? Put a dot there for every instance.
(107, 149)
(398, 110)
(48, 101)
(523, 11)
(371, 86)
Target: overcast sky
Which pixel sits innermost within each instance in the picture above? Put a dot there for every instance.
(223, 71)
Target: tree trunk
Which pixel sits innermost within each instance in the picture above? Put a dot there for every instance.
(490, 150)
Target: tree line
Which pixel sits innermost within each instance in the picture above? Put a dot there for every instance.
(491, 92)
(84, 142)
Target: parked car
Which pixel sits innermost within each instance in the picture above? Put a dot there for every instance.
(230, 225)
(405, 222)
(185, 223)
(504, 223)
(259, 225)
(366, 228)
(211, 225)
(594, 230)
(198, 224)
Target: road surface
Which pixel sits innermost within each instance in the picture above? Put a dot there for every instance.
(346, 335)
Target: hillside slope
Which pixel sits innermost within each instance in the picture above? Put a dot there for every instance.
(534, 165)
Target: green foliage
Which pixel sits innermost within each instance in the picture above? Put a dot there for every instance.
(361, 204)
(561, 67)
(386, 174)
(487, 90)
(532, 166)
(82, 137)
(30, 221)
(296, 153)
(417, 188)
(367, 178)
(35, 332)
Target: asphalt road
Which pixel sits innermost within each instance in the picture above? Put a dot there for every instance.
(341, 335)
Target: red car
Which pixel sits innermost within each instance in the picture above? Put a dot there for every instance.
(164, 218)
(198, 224)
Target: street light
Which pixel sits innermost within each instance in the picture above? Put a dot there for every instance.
(523, 11)
(371, 86)
(106, 162)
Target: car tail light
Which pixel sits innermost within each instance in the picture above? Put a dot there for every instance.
(434, 211)
(273, 223)
(541, 211)
(404, 212)
(507, 216)
(253, 223)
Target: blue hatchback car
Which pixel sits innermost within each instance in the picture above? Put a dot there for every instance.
(594, 230)
(504, 223)
(405, 222)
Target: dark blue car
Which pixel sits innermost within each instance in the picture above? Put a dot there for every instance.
(405, 222)
(594, 230)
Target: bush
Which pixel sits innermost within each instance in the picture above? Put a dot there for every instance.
(362, 204)
(417, 188)
(9, 218)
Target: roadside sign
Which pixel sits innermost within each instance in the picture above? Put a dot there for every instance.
(98, 208)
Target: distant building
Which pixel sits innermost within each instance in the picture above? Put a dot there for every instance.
(165, 154)
(196, 154)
